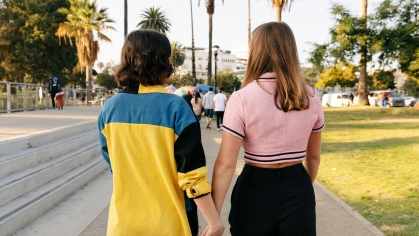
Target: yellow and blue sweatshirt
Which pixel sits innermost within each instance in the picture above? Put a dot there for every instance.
(151, 141)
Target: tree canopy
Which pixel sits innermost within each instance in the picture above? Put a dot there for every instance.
(154, 18)
(29, 49)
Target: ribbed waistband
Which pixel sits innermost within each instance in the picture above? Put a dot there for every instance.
(268, 172)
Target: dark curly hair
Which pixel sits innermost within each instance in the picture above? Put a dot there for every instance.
(144, 59)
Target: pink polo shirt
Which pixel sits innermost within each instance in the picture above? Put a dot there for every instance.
(269, 134)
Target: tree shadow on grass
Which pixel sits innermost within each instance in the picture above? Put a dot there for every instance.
(382, 144)
(372, 126)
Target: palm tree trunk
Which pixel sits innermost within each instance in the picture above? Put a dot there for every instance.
(193, 51)
(125, 18)
(278, 12)
(362, 83)
(89, 81)
(209, 72)
(249, 33)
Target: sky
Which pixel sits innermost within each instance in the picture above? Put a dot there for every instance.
(310, 21)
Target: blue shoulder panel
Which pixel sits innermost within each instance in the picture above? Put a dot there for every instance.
(167, 110)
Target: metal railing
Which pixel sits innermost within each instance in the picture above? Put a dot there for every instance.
(26, 97)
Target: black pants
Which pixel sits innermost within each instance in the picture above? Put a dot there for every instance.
(273, 202)
(53, 99)
(220, 116)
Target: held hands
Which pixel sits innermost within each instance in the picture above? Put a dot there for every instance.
(214, 230)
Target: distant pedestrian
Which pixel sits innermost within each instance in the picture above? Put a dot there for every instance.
(208, 106)
(197, 105)
(351, 99)
(200, 93)
(219, 104)
(188, 98)
(54, 88)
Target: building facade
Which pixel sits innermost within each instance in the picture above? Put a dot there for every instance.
(225, 61)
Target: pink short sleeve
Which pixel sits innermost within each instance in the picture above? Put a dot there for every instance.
(233, 122)
(319, 125)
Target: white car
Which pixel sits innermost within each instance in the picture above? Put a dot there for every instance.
(408, 100)
(334, 100)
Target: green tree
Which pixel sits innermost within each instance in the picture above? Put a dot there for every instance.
(382, 80)
(107, 77)
(398, 26)
(84, 19)
(411, 86)
(350, 37)
(228, 80)
(178, 55)
(341, 75)
(29, 49)
(280, 6)
(154, 19)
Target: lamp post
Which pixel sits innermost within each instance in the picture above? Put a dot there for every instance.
(215, 49)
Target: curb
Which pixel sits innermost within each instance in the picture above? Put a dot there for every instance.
(351, 211)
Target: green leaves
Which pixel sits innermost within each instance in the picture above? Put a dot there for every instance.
(154, 19)
(29, 50)
(178, 55)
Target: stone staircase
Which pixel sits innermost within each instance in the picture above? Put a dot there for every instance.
(40, 171)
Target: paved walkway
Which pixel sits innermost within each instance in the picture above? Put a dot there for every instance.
(334, 217)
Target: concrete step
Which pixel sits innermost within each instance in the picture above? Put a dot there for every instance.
(21, 211)
(26, 158)
(81, 209)
(15, 145)
(18, 183)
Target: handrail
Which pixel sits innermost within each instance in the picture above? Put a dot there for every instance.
(16, 96)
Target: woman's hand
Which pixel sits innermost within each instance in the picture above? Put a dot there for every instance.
(212, 230)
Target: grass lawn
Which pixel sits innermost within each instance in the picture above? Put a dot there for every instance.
(370, 159)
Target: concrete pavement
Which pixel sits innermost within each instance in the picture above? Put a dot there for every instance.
(83, 214)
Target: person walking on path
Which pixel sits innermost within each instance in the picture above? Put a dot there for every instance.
(219, 104)
(54, 88)
(197, 105)
(208, 107)
(188, 98)
(278, 119)
(152, 144)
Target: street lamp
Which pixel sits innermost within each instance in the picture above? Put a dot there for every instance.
(215, 49)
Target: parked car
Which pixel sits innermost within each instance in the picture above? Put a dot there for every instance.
(395, 100)
(335, 100)
(408, 100)
(413, 102)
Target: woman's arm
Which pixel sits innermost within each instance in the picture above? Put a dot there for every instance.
(224, 168)
(312, 161)
(206, 205)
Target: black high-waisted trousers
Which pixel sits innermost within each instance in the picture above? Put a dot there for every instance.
(273, 202)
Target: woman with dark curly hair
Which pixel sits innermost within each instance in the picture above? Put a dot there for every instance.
(152, 143)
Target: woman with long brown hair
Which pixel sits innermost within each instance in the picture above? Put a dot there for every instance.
(278, 119)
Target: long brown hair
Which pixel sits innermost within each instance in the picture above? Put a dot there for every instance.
(273, 49)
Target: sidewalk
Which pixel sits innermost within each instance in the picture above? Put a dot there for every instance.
(334, 217)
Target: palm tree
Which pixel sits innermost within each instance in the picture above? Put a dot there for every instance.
(84, 19)
(178, 55)
(362, 83)
(154, 19)
(193, 50)
(210, 11)
(125, 18)
(279, 6)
